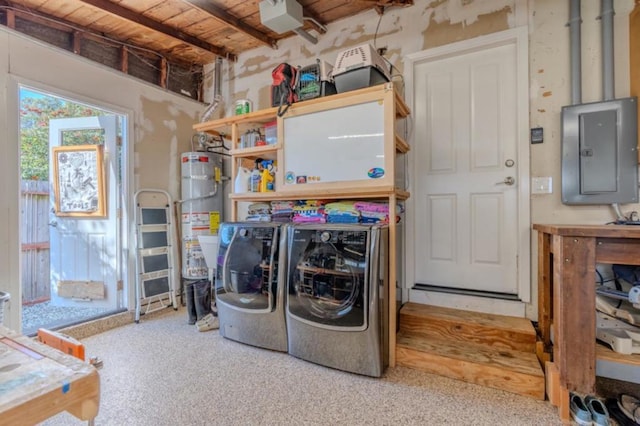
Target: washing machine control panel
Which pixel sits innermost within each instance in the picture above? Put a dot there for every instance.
(341, 237)
(258, 233)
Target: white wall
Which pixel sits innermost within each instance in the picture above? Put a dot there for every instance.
(160, 125)
(161, 121)
(428, 24)
(550, 91)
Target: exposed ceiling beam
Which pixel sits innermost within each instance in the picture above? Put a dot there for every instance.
(69, 27)
(140, 19)
(223, 16)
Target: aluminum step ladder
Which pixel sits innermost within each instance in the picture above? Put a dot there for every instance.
(155, 251)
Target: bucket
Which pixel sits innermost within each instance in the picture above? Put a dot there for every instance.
(243, 106)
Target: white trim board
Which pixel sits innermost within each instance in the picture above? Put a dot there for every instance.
(519, 37)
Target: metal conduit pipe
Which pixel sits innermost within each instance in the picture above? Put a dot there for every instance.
(608, 90)
(575, 21)
(606, 21)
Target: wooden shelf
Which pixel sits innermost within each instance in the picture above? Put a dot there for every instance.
(269, 152)
(401, 145)
(604, 353)
(349, 188)
(219, 126)
(402, 110)
(310, 194)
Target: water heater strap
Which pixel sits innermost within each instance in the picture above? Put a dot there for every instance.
(200, 177)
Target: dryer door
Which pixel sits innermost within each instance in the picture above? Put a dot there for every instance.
(248, 269)
(327, 277)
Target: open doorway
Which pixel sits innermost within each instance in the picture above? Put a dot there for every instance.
(71, 162)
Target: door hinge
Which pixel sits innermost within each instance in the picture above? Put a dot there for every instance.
(120, 285)
(119, 141)
(119, 213)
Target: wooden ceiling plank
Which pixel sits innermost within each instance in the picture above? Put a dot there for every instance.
(60, 9)
(179, 59)
(333, 10)
(150, 23)
(190, 18)
(140, 5)
(33, 4)
(84, 16)
(166, 10)
(229, 19)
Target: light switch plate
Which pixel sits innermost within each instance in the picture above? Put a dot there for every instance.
(541, 185)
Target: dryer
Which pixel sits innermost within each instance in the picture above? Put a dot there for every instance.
(337, 296)
(249, 287)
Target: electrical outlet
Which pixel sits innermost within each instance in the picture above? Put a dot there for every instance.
(541, 185)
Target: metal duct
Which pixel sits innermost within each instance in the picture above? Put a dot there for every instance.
(217, 78)
(305, 35)
(217, 97)
(606, 21)
(576, 51)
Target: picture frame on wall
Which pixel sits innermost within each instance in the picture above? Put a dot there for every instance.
(78, 181)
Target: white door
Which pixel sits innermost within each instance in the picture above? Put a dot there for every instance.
(84, 248)
(471, 172)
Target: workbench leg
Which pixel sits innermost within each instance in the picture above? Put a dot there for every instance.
(574, 312)
(545, 288)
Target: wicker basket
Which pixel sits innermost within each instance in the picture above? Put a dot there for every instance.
(4, 297)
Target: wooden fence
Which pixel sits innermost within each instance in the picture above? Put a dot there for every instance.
(34, 223)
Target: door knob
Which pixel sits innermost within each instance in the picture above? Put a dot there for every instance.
(53, 223)
(509, 180)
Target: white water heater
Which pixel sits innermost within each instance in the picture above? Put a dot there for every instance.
(202, 208)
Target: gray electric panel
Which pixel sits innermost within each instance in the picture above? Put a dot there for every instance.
(599, 152)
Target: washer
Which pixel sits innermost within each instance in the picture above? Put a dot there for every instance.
(337, 296)
(249, 288)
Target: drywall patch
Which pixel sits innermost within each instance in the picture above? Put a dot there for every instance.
(170, 124)
(467, 13)
(352, 36)
(442, 31)
(252, 65)
(306, 53)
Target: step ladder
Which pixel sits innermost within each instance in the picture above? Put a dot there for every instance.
(155, 268)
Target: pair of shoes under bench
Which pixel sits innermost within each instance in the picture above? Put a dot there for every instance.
(208, 322)
(630, 406)
(588, 411)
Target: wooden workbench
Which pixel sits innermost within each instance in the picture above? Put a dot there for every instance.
(37, 382)
(567, 257)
